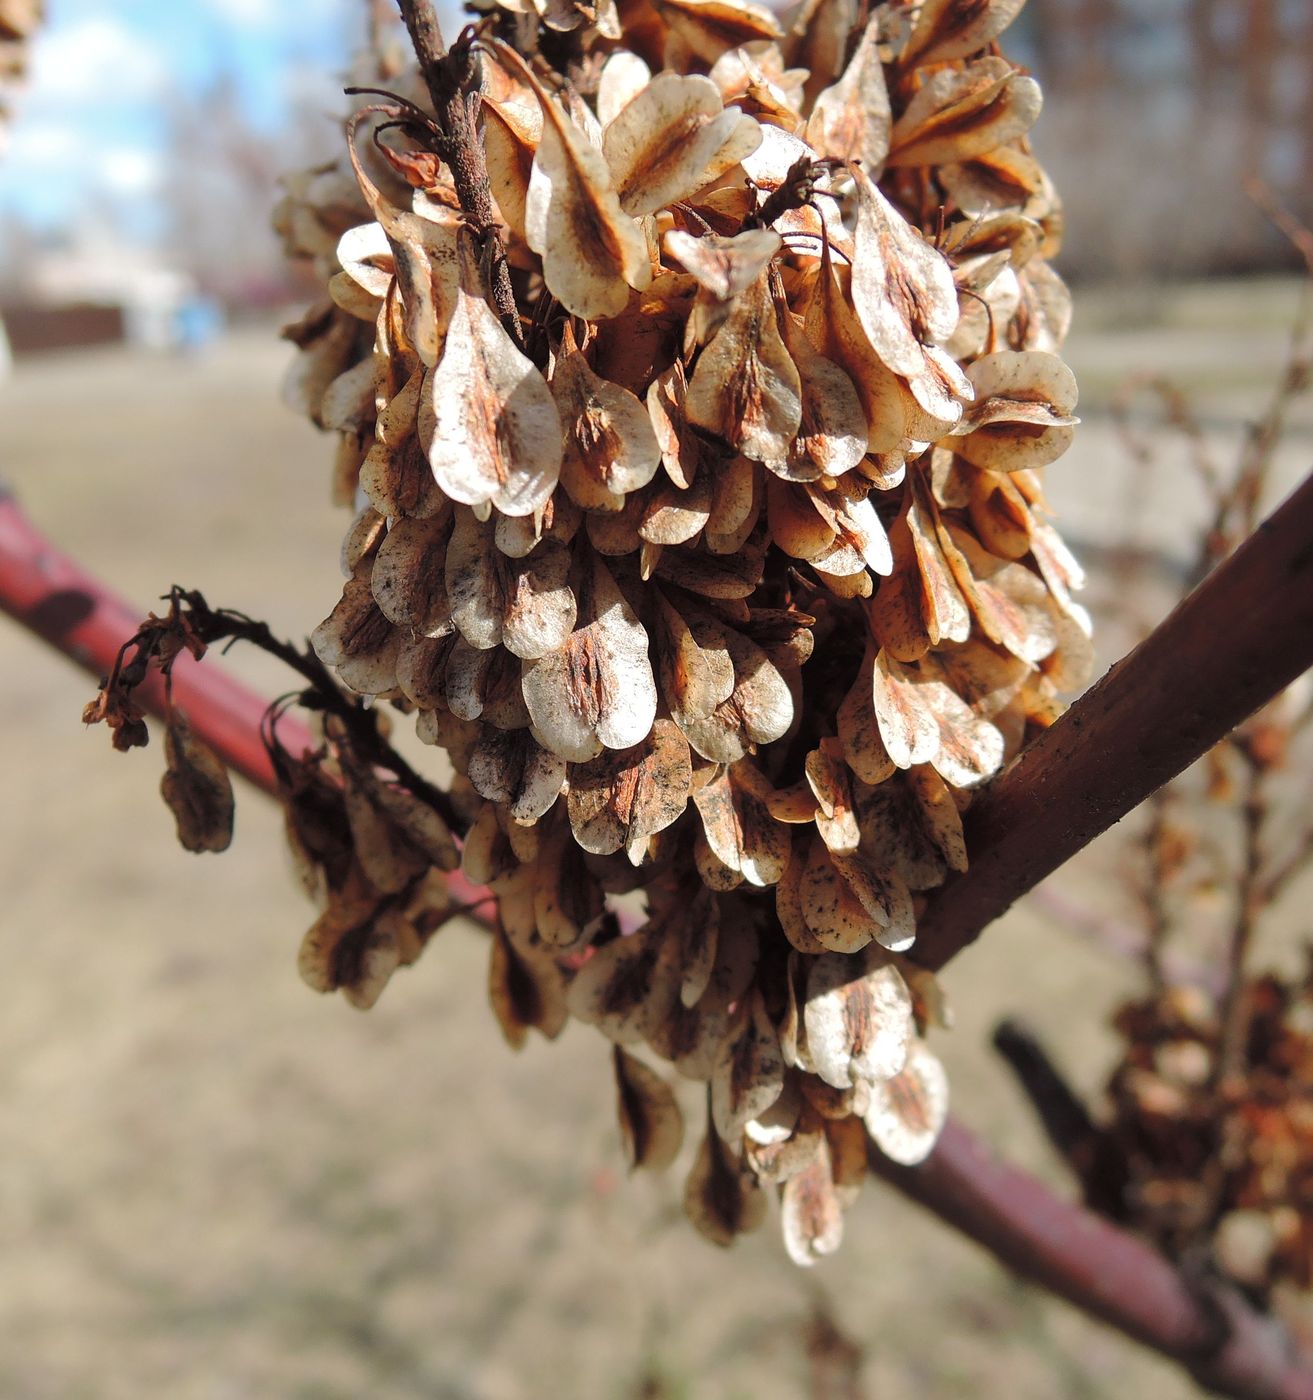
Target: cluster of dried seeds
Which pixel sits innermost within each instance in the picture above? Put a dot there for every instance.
(721, 569)
(1208, 1153)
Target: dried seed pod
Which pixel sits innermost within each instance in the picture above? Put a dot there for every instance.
(723, 588)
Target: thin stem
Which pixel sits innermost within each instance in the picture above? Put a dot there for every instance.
(451, 79)
(1236, 641)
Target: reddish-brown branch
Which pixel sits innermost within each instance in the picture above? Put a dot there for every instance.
(1232, 644)
(56, 598)
(1103, 1270)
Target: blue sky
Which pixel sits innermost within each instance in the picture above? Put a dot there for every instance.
(91, 120)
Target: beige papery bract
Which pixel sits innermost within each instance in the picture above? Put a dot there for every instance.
(725, 577)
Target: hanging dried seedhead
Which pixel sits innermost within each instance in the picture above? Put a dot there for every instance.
(718, 562)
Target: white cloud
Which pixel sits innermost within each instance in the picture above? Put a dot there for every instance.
(129, 171)
(261, 16)
(94, 59)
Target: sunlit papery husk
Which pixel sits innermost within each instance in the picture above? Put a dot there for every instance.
(908, 1111)
(721, 1198)
(958, 114)
(610, 446)
(858, 1018)
(948, 29)
(745, 389)
(487, 419)
(593, 253)
(851, 120)
(709, 27)
(1021, 416)
(671, 138)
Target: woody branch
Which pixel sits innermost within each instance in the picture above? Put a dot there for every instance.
(1064, 1248)
(1231, 645)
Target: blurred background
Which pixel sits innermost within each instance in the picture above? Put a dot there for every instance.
(217, 1185)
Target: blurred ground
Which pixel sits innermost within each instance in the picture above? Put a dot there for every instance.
(217, 1185)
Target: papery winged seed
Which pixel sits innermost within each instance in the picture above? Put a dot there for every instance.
(348, 404)
(833, 325)
(624, 75)
(721, 1199)
(487, 418)
(1010, 602)
(357, 640)
(196, 788)
(907, 727)
(858, 1019)
(920, 843)
(681, 449)
(759, 709)
(510, 767)
(610, 446)
(620, 797)
(833, 435)
(749, 1072)
(734, 507)
(1044, 315)
(408, 579)
(597, 690)
(725, 267)
(859, 733)
(779, 1122)
(847, 1141)
(709, 27)
(366, 257)
(907, 1112)
(1000, 515)
(672, 516)
(651, 1126)
(627, 986)
(694, 679)
(882, 893)
(672, 138)
(479, 680)
(902, 288)
(525, 605)
(592, 252)
(700, 944)
(796, 523)
(810, 1216)
(970, 748)
(833, 914)
(739, 829)
(851, 120)
(524, 992)
(745, 388)
(512, 128)
(948, 29)
(957, 115)
(568, 904)
(1021, 417)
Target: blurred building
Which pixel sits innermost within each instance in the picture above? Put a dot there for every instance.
(1157, 111)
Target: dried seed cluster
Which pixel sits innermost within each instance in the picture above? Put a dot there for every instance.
(1220, 1156)
(722, 570)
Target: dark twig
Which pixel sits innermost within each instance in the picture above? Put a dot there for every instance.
(452, 81)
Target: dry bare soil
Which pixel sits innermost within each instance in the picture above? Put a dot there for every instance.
(217, 1185)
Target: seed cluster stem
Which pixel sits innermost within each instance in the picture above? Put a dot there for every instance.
(450, 77)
